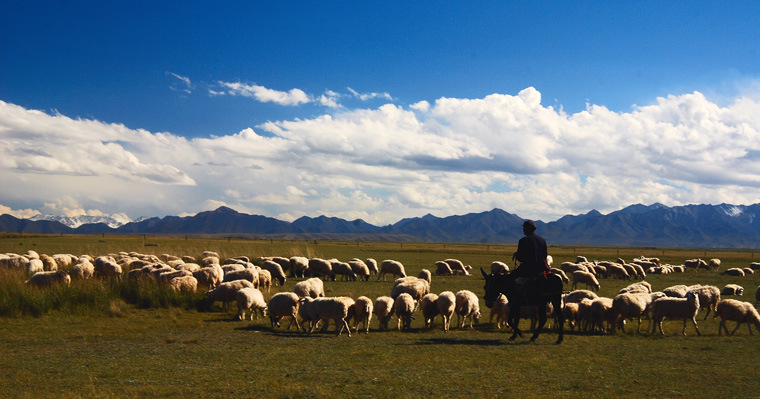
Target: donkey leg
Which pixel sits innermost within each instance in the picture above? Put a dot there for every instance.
(541, 321)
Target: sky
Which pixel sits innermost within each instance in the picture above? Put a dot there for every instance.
(377, 110)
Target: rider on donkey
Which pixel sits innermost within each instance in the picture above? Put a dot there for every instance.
(531, 253)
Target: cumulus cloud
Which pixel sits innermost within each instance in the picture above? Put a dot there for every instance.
(266, 95)
(451, 156)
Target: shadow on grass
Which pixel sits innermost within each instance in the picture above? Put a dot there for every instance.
(454, 341)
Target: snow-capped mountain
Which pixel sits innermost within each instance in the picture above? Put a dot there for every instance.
(113, 221)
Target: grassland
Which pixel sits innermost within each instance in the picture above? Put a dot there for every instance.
(113, 342)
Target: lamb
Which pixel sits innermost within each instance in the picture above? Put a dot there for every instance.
(186, 284)
(587, 278)
(250, 299)
(569, 311)
(500, 309)
(82, 270)
(415, 287)
(312, 287)
(359, 268)
(283, 304)
(48, 263)
(404, 306)
(683, 308)
(457, 266)
(443, 269)
(363, 308)
(732, 289)
(709, 296)
(714, 263)
(738, 311)
(298, 266)
(275, 271)
(499, 267)
(320, 267)
(344, 269)
(429, 309)
(446, 303)
(632, 305)
(48, 278)
(467, 306)
(372, 265)
(326, 309)
(383, 310)
(391, 266)
(225, 292)
(425, 275)
(734, 271)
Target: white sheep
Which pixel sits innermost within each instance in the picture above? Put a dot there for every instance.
(225, 292)
(640, 287)
(82, 270)
(325, 309)
(732, 289)
(312, 287)
(677, 308)
(747, 271)
(188, 284)
(425, 275)
(416, 287)
(695, 264)
(446, 303)
(232, 267)
(48, 263)
(250, 299)
(587, 278)
(359, 268)
(251, 275)
(298, 266)
(738, 311)
(404, 306)
(429, 309)
(734, 271)
(601, 316)
(363, 308)
(630, 305)
(189, 266)
(265, 280)
(443, 269)
(709, 296)
(457, 267)
(579, 295)
(714, 263)
(275, 271)
(283, 304)
(569, 311)
(393, 267)
(676, 291)
(383, 310)
(467, 306)
(106, 267)
(499, 267)
(48, 278)
(617, 270)
(500, 309)
(757, 295)
(343, 269)
(372, 265)
(320, 267)
(561, 274)
(34, 266)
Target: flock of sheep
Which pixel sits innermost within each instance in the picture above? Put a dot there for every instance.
(238, 280)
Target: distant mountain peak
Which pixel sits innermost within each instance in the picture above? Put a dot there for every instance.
(224, 209)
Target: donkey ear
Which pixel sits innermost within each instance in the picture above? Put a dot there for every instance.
(484, 273)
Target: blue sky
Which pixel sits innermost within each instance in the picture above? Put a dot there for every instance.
(412, 85)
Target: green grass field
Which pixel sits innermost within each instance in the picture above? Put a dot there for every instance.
(106, 340)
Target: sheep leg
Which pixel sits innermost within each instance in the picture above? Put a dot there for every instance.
(693, 320)
(738, 324)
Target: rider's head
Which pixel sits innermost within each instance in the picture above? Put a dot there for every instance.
(529, 227)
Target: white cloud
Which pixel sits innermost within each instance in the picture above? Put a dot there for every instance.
(185, 86)
(370, 96)
(263, 94)
(18, 213)
(453, 156)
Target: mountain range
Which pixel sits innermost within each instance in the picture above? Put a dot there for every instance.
(699, 226)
